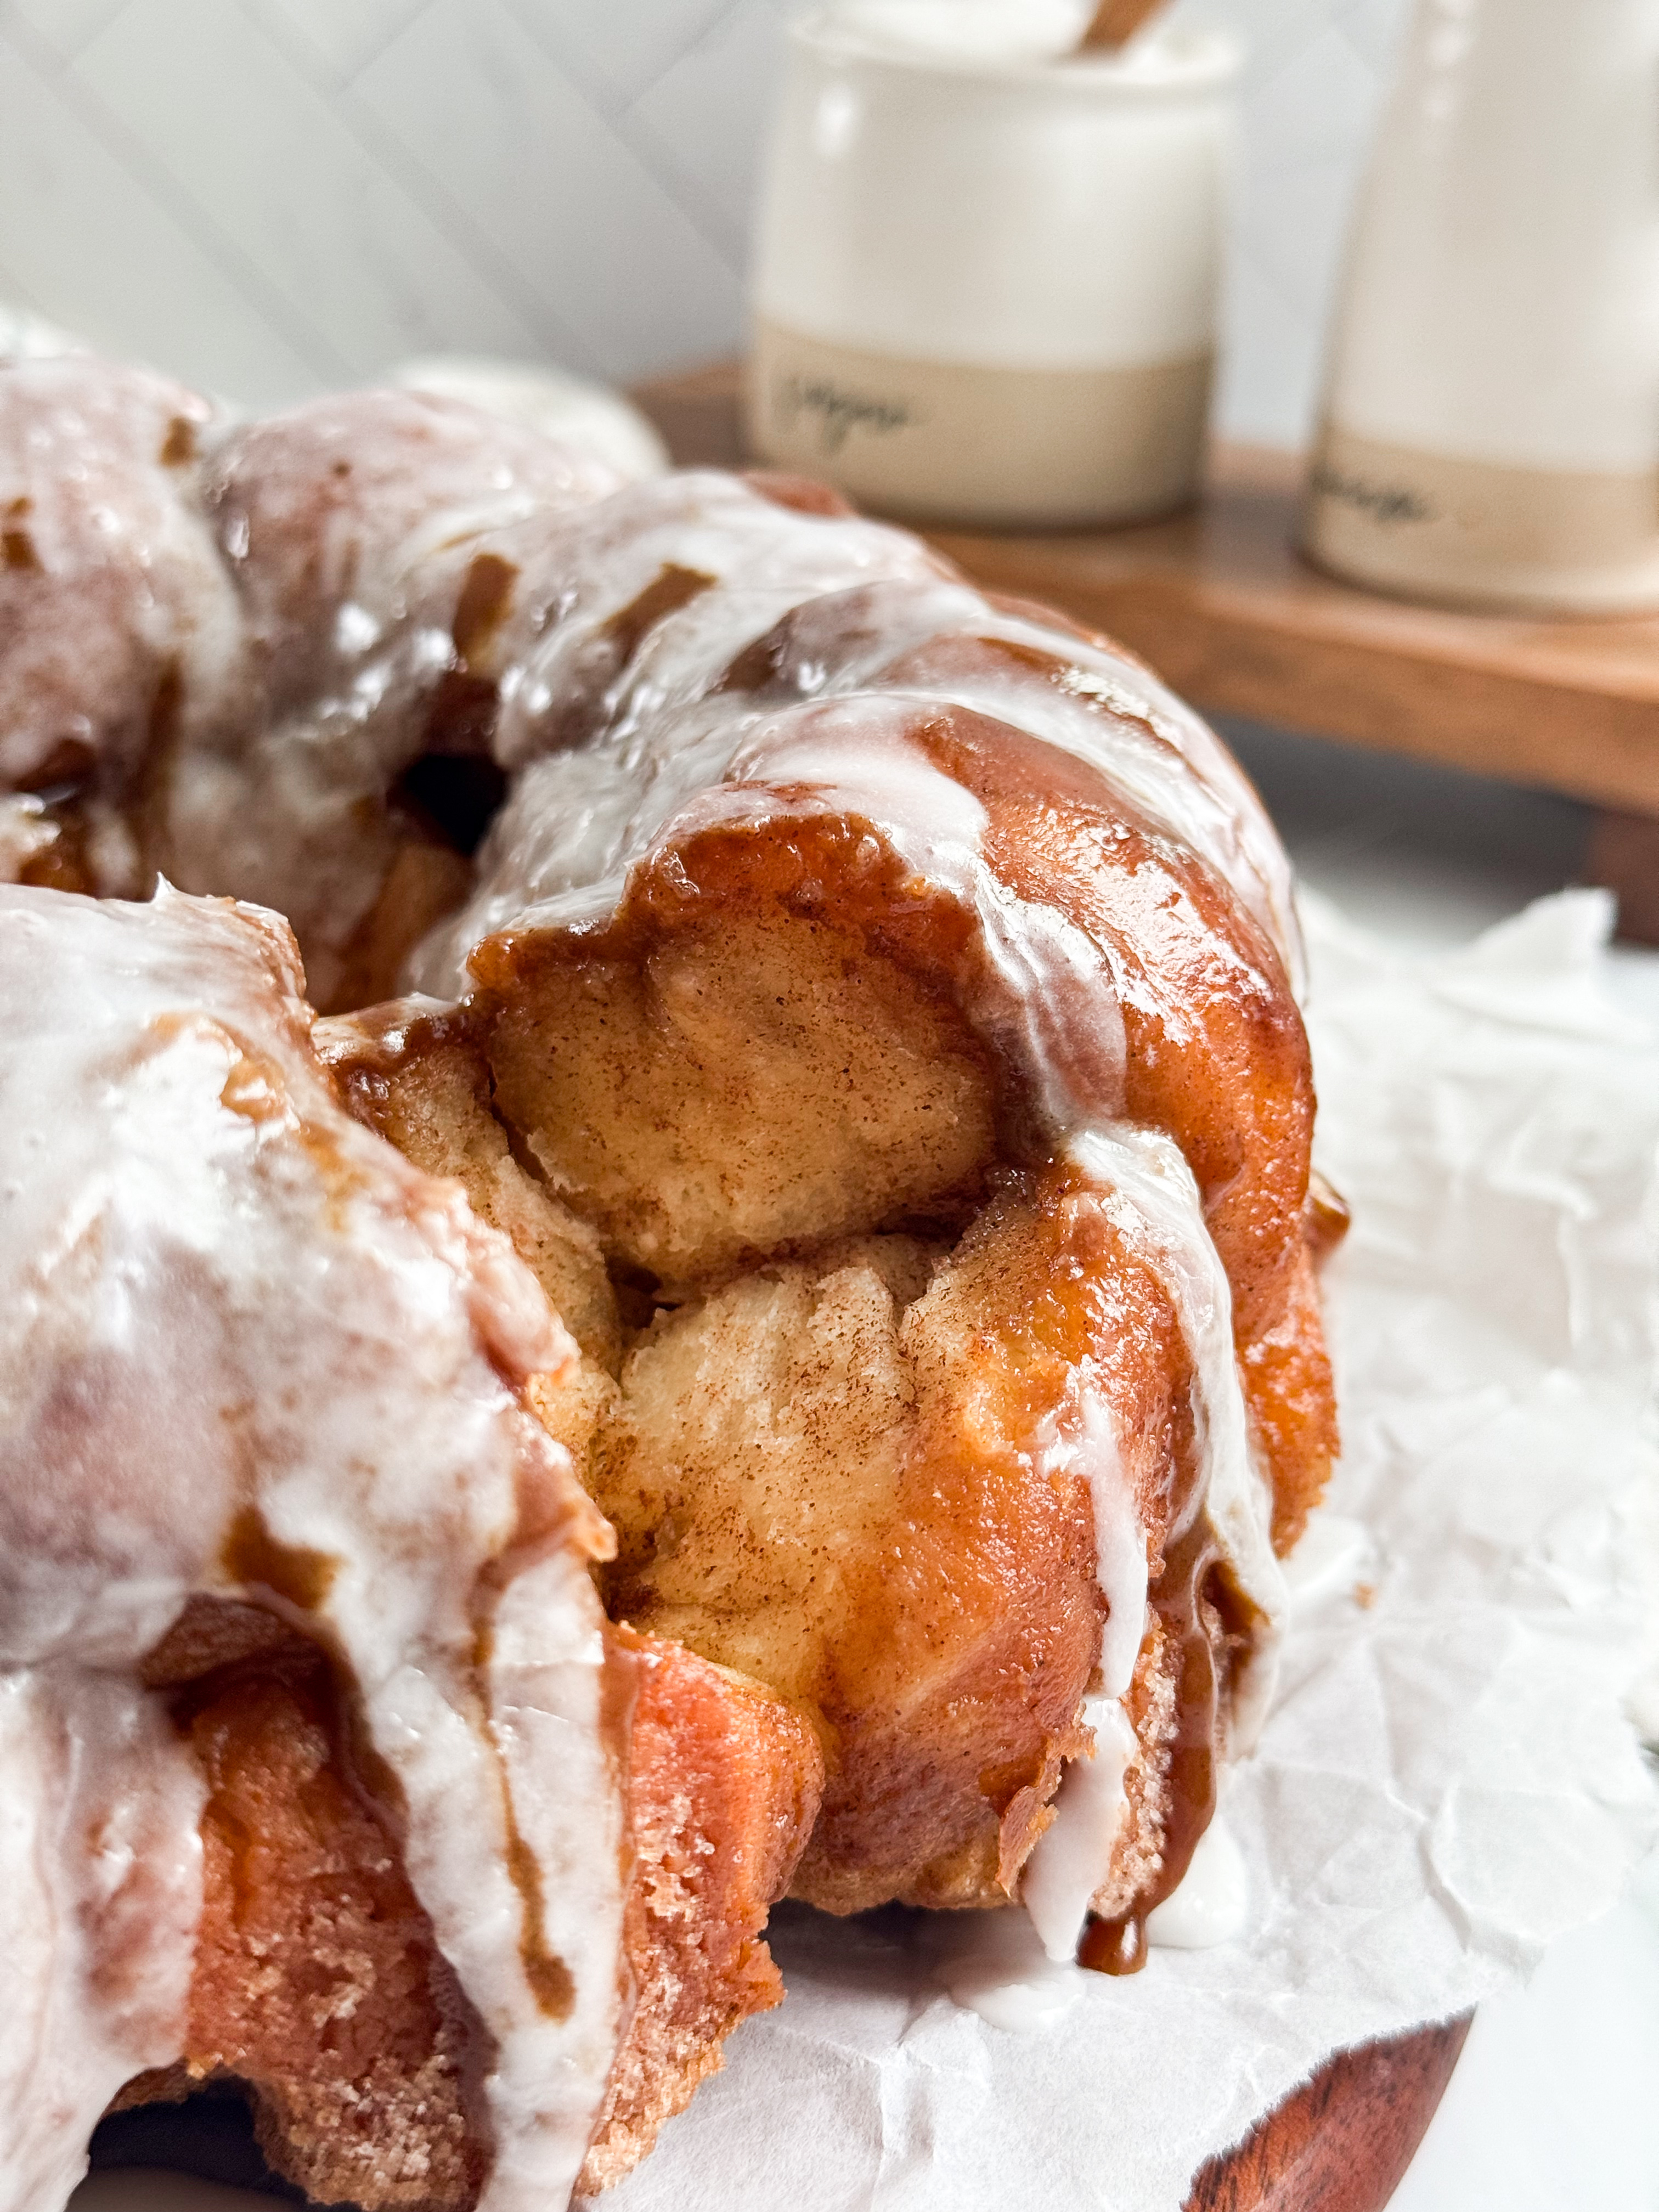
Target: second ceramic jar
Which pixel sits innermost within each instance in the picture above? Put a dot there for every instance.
(1492, 421)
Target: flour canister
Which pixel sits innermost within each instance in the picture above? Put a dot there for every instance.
(1491, 430)
(985, 281)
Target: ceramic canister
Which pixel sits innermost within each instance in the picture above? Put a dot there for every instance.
(985, 281)
(1491, 430)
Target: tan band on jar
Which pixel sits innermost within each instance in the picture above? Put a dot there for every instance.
(1417, 522)
(946, 441)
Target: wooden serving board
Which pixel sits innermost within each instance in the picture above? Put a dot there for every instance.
(1342, 2142)
(1219, 603)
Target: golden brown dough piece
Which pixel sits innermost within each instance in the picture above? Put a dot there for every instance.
(723, 1786)
(318, 1984)
(836, 1302)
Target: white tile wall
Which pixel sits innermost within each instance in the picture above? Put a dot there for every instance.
(272, 197)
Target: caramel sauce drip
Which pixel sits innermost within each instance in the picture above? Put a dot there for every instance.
(486, 593)
(17, 550)
(179, 447)
(1193, 1604)
(257, 1559)
(549, 1977)
(671, 588)
(550, 1981)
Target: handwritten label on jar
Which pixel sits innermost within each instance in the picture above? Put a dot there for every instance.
(1489, 534)
(955, 441)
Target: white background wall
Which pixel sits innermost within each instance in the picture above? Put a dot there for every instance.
(274, 197)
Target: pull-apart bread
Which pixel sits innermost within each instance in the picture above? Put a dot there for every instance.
(866, 1010)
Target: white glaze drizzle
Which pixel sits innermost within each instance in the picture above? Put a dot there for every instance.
(994, 1964)
(100, 1888)
(657, 732)
(1143, 1184)
(1071, 1857)
(1049, 1002)
(1046, 997)
(216, 1292)
(434, 484)
(998, 1965)
(1210, 1904)
(112, 577)
(1153, 751)
(1084, 1442)
(762, 560)
(1149, 1193)
(348, 585)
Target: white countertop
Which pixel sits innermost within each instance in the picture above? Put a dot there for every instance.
(1554, 2106)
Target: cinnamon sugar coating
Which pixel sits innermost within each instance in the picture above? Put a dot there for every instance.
(723, 1786)
(318, 1984)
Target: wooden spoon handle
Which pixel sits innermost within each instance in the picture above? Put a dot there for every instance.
(1115, 23)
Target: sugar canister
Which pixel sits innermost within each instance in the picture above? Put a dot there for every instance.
(985, 281)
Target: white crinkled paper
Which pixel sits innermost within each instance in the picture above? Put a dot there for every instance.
(1448, 1779)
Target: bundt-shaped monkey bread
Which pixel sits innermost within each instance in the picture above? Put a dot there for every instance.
(861, 1010)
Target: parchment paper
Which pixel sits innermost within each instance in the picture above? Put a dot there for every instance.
(1448, 1778)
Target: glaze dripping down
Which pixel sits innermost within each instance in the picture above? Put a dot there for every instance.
(270, 1363)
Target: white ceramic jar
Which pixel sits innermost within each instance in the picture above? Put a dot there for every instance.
(1491, 430)
(985, 288)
